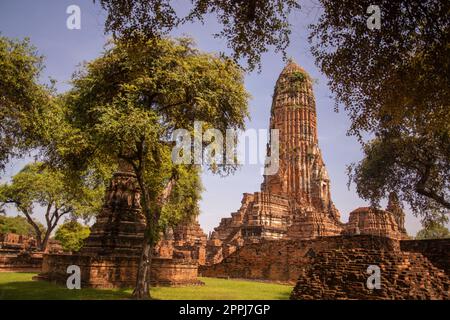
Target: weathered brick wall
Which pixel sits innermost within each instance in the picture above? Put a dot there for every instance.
(283, 260)
(16, 242)
(24, 262)
(437, 251)
(268, 260)
(96, 272)
(19, 253)
(117, 271)
(173, 272)
(342, 274)
(336, 267)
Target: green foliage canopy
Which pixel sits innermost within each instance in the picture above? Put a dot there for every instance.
(18, 225)
(124, 107)
(394, 83)
(434, 229)
(22, 98)
(38, 185)
(248, 26)
(71, 234)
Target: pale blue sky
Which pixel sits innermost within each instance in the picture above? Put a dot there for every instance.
(44, 22)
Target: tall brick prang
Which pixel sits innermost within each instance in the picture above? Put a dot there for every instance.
(295, 202)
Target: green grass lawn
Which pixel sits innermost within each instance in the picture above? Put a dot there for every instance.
(14, 285)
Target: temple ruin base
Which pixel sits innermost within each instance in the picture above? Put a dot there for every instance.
(21, 262)
(336, 267)
(117, 271)
(18, 253)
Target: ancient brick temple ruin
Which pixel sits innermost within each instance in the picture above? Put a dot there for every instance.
(290, 231)
(19, 252)
(110, 255)
(295, 202)
(335, 267)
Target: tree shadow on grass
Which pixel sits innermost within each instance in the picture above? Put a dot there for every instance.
(17, 286)
(284, 296)
(41, 290)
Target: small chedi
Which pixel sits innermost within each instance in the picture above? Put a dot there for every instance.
(110, 255)
(184, 240)
(295, 202)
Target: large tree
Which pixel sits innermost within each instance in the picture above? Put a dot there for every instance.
(434, 228)
(125, 106)
(248, 26)
(22, 99)
(18, 225)
(38, 185)
(394, 83)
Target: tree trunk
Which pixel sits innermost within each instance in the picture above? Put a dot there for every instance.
(148, 204)
(38, 240)
(37, 231)
(44, 242)
(142, 289)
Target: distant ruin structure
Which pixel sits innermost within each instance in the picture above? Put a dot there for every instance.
(19, 252)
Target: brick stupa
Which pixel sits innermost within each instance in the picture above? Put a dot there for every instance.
(110, 255)
(119, 227)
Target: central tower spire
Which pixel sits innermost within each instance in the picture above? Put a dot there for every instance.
(302, 176)
(294, 202)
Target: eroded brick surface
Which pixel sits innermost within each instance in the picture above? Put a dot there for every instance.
(336, 267)
(342, 274)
